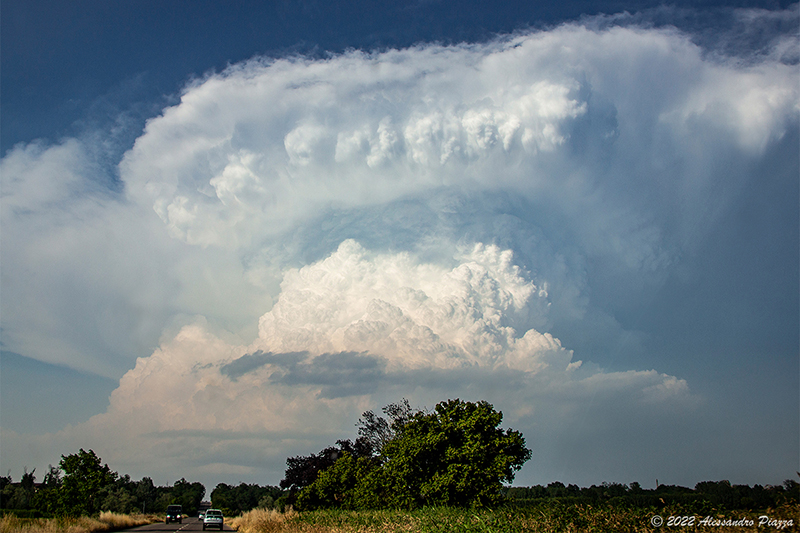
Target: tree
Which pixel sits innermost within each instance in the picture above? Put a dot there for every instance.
(351, 483)
(374, 432)
(6, 490)
(377, 431)
(302, 471)
(119, 500)
(187, 495)
(146, 494)
(84, 483)
(20, 496)
(47, 499)
(456, 455)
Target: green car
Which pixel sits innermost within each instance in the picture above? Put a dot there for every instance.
(174, 514)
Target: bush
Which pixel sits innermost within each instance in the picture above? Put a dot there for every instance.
(23, 513)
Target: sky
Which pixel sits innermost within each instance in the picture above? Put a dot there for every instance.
(228, 230)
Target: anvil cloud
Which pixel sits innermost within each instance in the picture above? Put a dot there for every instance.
(304, 239)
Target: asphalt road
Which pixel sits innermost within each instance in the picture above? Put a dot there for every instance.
(189, 524)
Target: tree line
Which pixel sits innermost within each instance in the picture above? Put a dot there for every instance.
(706, 495)
(234, 500)
(455, 455)
(710, 494)
(81, 485)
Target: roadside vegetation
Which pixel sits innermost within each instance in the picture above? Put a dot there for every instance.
(106, 521)
(82, 486)
(410, 470)
(264, 520)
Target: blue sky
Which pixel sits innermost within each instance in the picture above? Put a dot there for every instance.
(586, 214)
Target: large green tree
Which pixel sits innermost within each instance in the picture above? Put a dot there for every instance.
(85, 483)
(456, 455)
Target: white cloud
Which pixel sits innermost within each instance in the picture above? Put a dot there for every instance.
(91, 280)
(350, 133)
(415, 315)
(589, 124)
(412, 222)
(351, 330)
(754, 104)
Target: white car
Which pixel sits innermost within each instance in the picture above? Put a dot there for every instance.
(212, 518)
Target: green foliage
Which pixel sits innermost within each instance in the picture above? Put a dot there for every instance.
(374, 432)
(244, 497)
(46, 500)
(119, 500)
(454, 456)
(350, 483)
(82, 487)
(188, 495)
(22, 513)
(17, 495)
(146, 494)
(301, 471)
(706, 497)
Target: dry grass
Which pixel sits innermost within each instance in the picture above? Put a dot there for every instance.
(262, 521)
(107, 521)
(272, 521)
(122, 521)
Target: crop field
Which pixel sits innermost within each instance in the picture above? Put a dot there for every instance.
(535, 519)
(543, 518)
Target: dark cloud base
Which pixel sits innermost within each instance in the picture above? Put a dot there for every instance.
(339, 374)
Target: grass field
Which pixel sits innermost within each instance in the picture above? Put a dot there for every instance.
(538, 519)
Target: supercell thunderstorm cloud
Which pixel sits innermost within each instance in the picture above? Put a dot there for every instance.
(298, 240)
